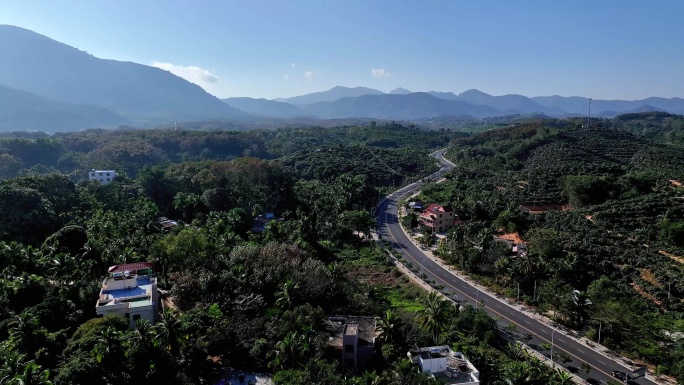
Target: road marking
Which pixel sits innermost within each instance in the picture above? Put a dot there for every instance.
(581, 351)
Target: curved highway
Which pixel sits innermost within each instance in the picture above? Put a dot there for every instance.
(390, 230)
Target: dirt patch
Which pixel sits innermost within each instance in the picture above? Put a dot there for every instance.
(514, 237)
(676, 258)
(372, 275)
(589, 218)
(167, 302)
(648, 276)
(675, 182)
(500, 188)
(535, 209)
(644, 294)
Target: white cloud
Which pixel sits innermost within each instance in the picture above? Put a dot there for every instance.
(287, 76)
(379, 73)
(293, 65)
(193, 74)
(308, 75)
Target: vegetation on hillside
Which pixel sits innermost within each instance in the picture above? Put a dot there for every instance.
(602, 212)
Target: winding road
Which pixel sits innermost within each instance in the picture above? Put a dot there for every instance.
(390, 230)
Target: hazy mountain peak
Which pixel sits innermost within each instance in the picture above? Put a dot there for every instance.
(400, 91)
(473, 93)
(335, 93)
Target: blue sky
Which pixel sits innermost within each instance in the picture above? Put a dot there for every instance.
(627, 49)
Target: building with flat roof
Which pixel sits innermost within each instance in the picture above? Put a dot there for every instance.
(102, 176)
(130, 291)
(444, 364)
(352, 339)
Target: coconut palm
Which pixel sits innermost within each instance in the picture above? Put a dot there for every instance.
(388, 325)
(560, 377)
(286, 297)
(30, 374)
(435, 315)
(169, 331)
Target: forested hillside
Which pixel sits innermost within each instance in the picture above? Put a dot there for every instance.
(233, 296)
(602, 212)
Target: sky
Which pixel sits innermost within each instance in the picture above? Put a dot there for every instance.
(604, 49)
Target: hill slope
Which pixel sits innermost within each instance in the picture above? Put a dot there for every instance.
(38, 64)
(265, 107)
(409, 106)
(24, 111)
(330, 95)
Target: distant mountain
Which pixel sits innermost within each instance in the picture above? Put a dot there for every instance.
(522, 104)
(399, 91)
(443, 95)
(580, 106)
(265, 107)
(38, 64)
(409, 106)
(644, 108)
(330, 95)
(24, 111)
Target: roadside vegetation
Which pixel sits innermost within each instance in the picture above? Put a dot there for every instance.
(601, 211)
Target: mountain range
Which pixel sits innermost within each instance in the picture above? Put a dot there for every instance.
(50, 86)
(37, 64)
(403, 104)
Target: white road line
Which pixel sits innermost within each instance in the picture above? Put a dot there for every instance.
(581, 351)
(604, 364)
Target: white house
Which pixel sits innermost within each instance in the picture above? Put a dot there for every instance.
(102, 176)
(131, 292)
(445, 365)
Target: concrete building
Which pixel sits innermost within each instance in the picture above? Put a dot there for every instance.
(352, 339)
(438, 218)
(444, 364)
(130, 291)
(102, 176)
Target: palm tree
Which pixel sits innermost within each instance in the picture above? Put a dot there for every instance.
(168, 332)
(287, 295)
(388, 325)
(30, 374)
(288, 351)
(560, 377)
(435, 315)
(108, 344)
(143, 335)
(518, 373)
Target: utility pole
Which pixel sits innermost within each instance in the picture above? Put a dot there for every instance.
(599, 333)
(669, 284)
(534, 296)
(553, 362)
(589, 115)
(518, 300)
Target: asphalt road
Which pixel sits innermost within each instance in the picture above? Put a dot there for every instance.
(390, 230)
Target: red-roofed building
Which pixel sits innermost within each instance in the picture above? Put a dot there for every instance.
(438, 218)
(129, 290)
(130, 267)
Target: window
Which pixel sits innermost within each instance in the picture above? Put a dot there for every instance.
(108, 174)
(107, 179)
(136, 317)
(349, 348)
(128, 315)
(92, 174)
(100, 174)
